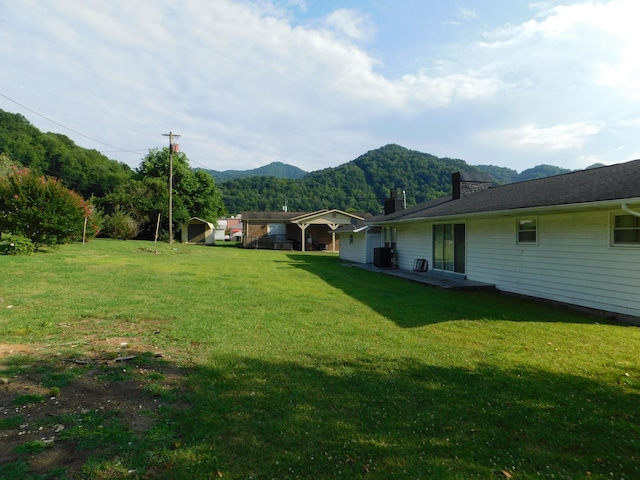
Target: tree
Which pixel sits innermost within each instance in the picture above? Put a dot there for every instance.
(43, 210)
(120, 225)
(194, 194)
(7, 164)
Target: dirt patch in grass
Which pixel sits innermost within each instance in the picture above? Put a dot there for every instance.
(93, 397)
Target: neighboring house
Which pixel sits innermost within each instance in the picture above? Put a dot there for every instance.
(358, 242)
(571, 238)
(198, 231)
(220, 229)
(295, 230)
(234, 228)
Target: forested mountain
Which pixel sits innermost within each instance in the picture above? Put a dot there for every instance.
(85, 171)
(275, 169)
(503, 175)
(360, 185)
(365, 183)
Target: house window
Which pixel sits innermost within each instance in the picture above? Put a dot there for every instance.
(390, 235)
(527, 231)
(351, 239)
(626, 230)
(277, 230)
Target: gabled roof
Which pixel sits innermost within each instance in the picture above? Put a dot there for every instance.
(270, 216)
(296, 217)
(615, 182)
(194, 220)
(333, 212)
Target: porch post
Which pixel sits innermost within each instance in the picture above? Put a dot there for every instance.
(333, 227)
(303, 228)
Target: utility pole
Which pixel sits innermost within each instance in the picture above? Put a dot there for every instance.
(171, 148)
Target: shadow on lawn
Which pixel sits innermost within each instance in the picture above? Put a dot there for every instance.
(410, 304)
(328, 419)
(324, 418)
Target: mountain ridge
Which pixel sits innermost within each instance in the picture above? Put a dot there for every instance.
(364, 183)
(273, 169)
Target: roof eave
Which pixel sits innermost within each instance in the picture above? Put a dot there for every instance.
(573, 207)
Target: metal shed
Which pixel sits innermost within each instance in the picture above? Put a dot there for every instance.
(199, 232)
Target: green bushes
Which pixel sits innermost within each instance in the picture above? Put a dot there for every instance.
(120, 225)
(15, 245)
(43, 210)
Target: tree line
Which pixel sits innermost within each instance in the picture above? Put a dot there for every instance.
(124, 203)
(129, 201)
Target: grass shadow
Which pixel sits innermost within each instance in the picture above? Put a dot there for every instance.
(321, 417)
(410, 305)
(328, 419)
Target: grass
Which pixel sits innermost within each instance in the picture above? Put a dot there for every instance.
(300, 367)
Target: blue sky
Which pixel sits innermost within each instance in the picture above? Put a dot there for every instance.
(316, 83)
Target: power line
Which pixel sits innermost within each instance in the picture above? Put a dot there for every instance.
(118, 149)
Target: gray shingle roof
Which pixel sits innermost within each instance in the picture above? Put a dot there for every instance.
(615, 182)
(267, 216)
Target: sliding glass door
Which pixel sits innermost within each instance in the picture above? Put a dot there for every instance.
(449, 247)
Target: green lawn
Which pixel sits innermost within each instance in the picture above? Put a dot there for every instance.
(298, 366)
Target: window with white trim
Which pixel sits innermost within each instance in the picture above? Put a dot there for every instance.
(626, 230)
(527, 231)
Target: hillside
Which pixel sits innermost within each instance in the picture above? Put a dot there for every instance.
(360, 185)
(364, 183)
(274, 169)
(87, 172)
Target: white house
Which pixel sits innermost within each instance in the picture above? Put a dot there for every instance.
(572, 238)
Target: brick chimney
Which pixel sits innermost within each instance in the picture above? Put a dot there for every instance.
(395, 203)
(467, 183)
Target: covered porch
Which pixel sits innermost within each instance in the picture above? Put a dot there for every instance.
(295, 230)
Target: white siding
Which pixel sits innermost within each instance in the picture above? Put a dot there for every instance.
(572, 262)
(356, 251)
(374, 240)
(413, 241)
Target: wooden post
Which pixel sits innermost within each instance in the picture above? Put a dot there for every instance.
(155, 241)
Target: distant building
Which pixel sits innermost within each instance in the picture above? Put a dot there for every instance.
(295, 230)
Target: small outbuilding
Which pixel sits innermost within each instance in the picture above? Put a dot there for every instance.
(198, 232)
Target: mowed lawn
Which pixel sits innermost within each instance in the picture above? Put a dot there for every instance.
(299, 366)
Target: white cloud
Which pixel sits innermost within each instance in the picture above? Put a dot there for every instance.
(467, 13)
(351, 23)
(557, 137)
(248, 82)
(600, 38)
(629, 123)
